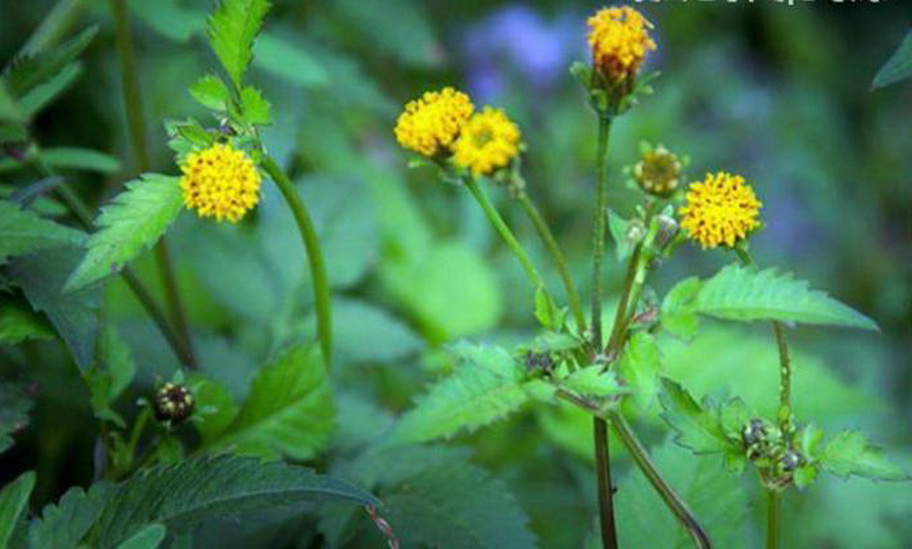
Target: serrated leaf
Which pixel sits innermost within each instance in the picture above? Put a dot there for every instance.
(898, 67)
(24, 231)
(18, 322)
(474, 511)
(485, 386)
(148, 538)
(28, 72)
(63, 525)
(183, 495)
(676, 318)
(739, 293)
(13, 503)
(233, 27)
(639, 368)
(593, 381)
(697, 427)
(214, 404)
(255, 109)
(289, 410)
(73, 314)
(547, 312)
(134, 221)
(13, 413)
(849, 453)
(211, 93)
(617, 227)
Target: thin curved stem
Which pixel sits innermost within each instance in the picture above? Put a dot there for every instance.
(321, 289)
(772, 519)
(505, 233)
(559, 260)
(674, 502)
(136, 125)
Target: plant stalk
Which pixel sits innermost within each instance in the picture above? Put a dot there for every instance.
(560, 261)
(321, 288)
(505, 233)
(136, 125)
(772, 519)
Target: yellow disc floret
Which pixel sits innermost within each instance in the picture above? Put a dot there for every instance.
(488, 141)
(220, 181)
(619, 38)
(720, 210)
(433, 122)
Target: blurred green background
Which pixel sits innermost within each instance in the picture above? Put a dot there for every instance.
(777, 93)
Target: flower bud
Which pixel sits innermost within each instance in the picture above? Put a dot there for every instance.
(172, 403)
(659, 172)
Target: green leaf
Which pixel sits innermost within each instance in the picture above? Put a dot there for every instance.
(898, 67)
(211, 93)
(63, 525)
(9, 109)
(26, 73)
(73, 314)
(233, 27)
(473, 511)
(639, 368)
(24, 231)
(13, 503)
(134, 220)
(75, 158)
(148, 538)
(43, 95)
(255, 110)
(697, 427)
(719, 502)
(618, 227)
(288, 60)
(182, 495)
(289, 410)
(850, 454)
(676, 317)
(13, 413)
(485, 386)
(739, 293)
(547, 312)
(592, 381)
(214, 404)
(113, 373)
(18, 322)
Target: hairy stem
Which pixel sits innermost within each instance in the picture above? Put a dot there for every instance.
(505, 233)
(314, 255)
(559, 260)
(772, 520)
(136, 124)
(599, 426)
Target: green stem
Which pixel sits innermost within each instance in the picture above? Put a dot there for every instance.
(599, 426)
(314, 255)
(772, 520)
(138, 427)
(505, 233)
(666, 492)
(136, 125)
(615, 341)
(559, 260)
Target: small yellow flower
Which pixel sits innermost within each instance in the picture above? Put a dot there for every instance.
(432, 123)
(220, 181)
(619, 38)
(659, 172)
(722, 209)
(489, 141)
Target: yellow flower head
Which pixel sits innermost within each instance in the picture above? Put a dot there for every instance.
(220, 181)
(619, 38)
(488, 141)
(432, 123)
(721, 209)
(659, 172)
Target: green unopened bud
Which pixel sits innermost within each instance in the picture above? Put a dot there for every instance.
(539, 363)
(172, 403)
(636, 232)
(659, 172)
(667, 231)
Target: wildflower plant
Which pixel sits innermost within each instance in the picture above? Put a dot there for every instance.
(294, 446)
